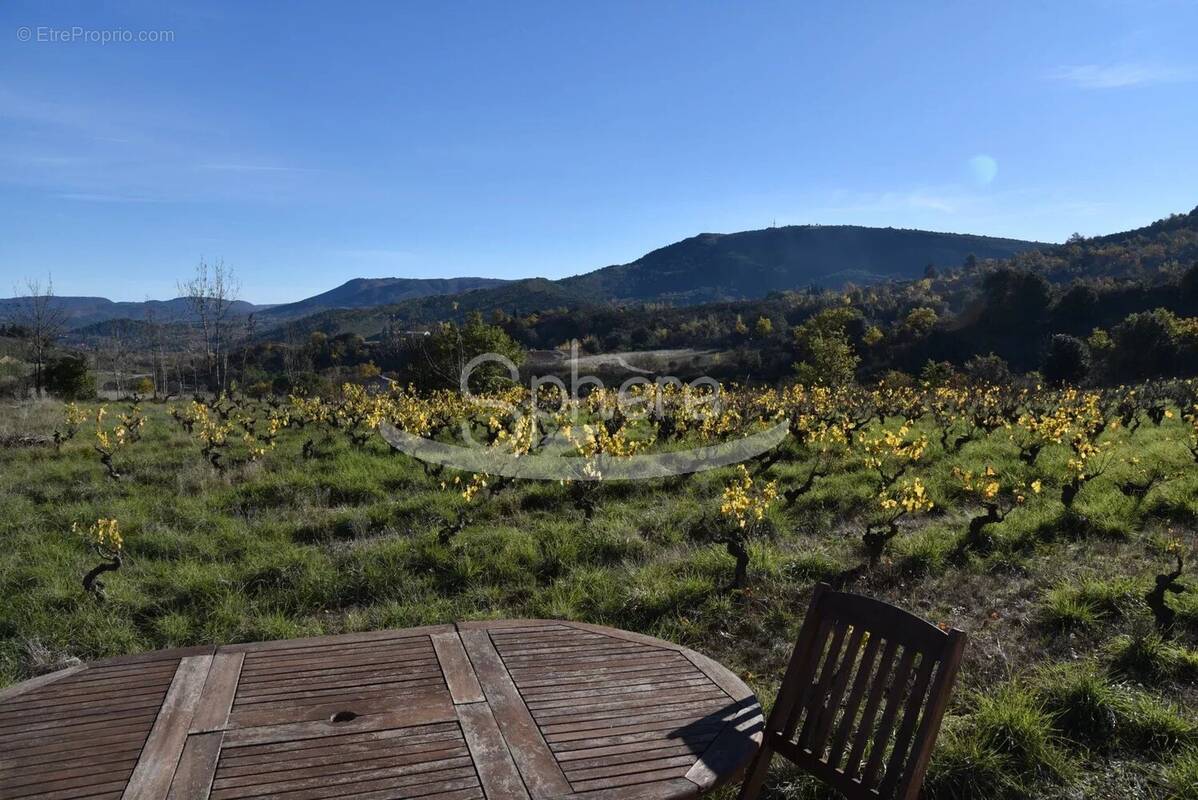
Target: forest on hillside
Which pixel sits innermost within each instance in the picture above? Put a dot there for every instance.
(1100, 311)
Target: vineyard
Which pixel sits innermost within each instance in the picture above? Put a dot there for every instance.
(1055, 526)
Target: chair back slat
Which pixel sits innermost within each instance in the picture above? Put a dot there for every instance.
(895, 694)
(929, 726)
(815, 699)
(827, 712)
(865, 669)
(798, 672)
(864, 734)
(869, 679)
(902, 740)
(798, 682)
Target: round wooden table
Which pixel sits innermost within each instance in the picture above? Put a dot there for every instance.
(499, 710)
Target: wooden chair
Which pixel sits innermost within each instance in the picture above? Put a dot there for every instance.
(862, 700)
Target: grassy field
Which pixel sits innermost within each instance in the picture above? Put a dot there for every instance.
(1068, 690)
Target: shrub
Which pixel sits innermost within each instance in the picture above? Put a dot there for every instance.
(989, 369)
(69, 378)
(1067, 360)
(12, 378)
(258, 390)
(440, 359)
(1145, 345)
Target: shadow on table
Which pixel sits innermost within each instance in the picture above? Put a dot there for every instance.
(732, 732)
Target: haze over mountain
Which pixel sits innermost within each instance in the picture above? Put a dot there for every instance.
(699, 269)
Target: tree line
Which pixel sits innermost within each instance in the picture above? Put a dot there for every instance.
(146, 356)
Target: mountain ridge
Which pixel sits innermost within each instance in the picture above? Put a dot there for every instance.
(81, 311)
(702, 268)
(369, 292)
(84, 312)
(747, 264)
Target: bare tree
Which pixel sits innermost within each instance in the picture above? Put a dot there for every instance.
(190, 344)
(211, 293)
(157, 344)
(44, 320)
(251, 329)
(117, 350)
(295, 359)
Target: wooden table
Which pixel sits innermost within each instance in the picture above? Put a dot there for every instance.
(509, 709)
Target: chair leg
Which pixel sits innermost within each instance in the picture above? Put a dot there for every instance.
(755, 777)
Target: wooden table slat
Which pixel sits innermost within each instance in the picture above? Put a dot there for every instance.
(151, 779)
(496, 768)
(540, 770)
(416, 715)
(10, 693)
(216, 699)
(197, 767)
(455, 665)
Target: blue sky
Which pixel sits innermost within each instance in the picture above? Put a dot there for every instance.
(309, 143)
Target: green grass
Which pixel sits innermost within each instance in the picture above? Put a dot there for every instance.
(1150, 658)
(1066, 690)
(1182, 777)
(1003, 748)
(1095, 711)
(1084, 602)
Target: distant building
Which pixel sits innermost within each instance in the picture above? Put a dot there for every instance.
(379, 384)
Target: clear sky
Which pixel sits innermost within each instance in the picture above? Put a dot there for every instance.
(309, 143)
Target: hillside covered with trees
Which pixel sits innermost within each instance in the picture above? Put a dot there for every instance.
(1104, 310)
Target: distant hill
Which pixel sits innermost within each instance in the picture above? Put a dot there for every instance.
(705, 268)
(133, 331)
(88, 312)
(734, 266)
(1151, 254)
(83, 311)
(368, 292)
(517, 298)
(1183, 225)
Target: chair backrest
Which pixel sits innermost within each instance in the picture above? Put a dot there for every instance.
(864, 694)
